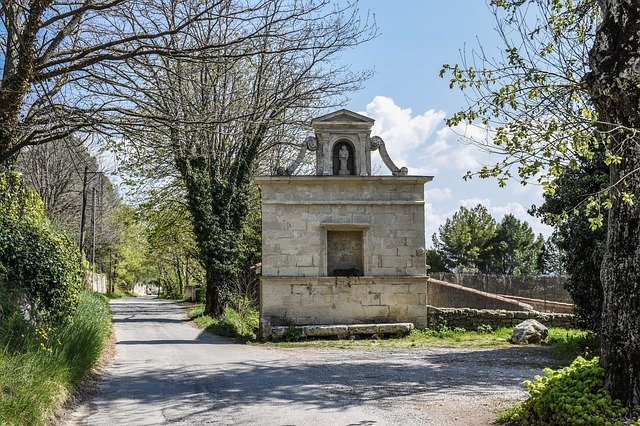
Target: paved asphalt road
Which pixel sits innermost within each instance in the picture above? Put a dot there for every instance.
(167, 371)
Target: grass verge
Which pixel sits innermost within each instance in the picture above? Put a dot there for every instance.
(238, 321)
(564, 343)
(38, 370)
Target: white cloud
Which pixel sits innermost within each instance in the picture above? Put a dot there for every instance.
(513, 208)
(419, 171)
(401, 130)
(472, 202)
(438, 194)
(432, 221)
(423, 144)
(458, 148)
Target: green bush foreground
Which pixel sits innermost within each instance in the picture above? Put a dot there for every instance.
(40, 266)
(574, 395)
(39, 366)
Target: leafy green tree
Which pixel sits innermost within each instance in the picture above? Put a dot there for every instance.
(172, 252)
(551, 258)
(130, 261)
(582, 249)
(566, 86)
(436, 260)
(465, 237)
(514, 249)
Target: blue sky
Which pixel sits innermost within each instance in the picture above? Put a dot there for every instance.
(409, 102)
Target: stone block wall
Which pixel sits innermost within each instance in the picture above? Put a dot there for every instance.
(298, 211)
(343, 300)
(446, 295)
(470, 319)
(95, 282)
(535, 287)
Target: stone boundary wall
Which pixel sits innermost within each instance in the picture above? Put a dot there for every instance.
(545, 305)
(287, 301)
(190, 293)
(446, 295)
(470, 319)
(95, 282)
(530, 286)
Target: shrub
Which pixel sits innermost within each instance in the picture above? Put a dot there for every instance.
(574, 395)
(39, 272)
(40, 267)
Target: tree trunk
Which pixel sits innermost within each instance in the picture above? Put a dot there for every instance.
(614, 89)
(217, 292)
(15, 86)
(217, 218)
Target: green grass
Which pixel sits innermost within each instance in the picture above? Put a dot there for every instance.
(242, 321)
(38, 369)
(564, 343)
(239, 321)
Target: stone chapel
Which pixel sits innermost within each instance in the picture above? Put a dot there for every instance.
(342, 246)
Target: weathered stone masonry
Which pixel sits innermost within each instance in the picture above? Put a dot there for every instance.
(343, 247)
(388, 215)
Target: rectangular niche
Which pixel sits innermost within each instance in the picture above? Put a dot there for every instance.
(345, 253)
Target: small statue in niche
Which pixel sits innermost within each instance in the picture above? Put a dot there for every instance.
(343, 156)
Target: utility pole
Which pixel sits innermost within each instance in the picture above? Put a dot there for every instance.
(113, 288)
(83, 213)
(93, 228)
(84, 207)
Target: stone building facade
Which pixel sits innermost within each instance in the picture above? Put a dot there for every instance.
(343, 247)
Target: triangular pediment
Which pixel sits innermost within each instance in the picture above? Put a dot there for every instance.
(342, 116)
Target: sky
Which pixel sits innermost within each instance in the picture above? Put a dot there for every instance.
(410, 102)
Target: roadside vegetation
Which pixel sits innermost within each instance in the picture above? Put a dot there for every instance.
(564, 344)
(51, 331)
(573, 395)
(39, 365)
(239, 320)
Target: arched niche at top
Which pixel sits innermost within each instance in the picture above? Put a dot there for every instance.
(343, 157)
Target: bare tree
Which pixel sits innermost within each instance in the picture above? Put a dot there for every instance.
(57, 172)
(210, 119)
(55, 51)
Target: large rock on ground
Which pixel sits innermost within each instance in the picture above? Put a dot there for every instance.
(529, 331)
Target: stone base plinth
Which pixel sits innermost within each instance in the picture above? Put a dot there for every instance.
(296, 301)
(341, 331)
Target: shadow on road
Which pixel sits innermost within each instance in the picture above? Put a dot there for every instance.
(335, 384)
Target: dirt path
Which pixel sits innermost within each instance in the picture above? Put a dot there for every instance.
(167, 371)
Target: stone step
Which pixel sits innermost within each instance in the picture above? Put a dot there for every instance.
(346, 330)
